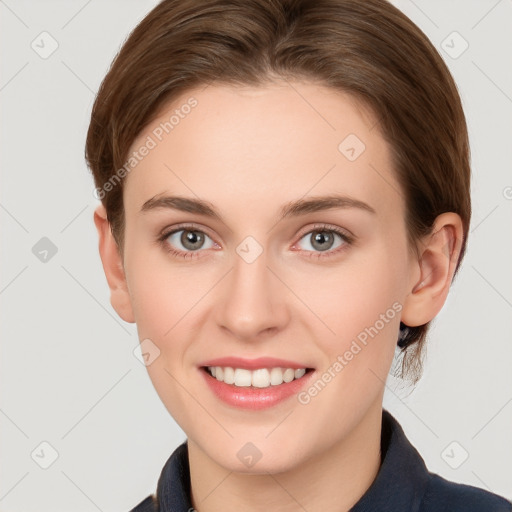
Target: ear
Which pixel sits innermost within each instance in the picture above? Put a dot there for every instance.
(113, 266)
(438, 256)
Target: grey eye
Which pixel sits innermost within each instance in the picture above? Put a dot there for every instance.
(190, 240)
(321, 240)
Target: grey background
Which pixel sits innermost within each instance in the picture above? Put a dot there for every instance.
(68, 373)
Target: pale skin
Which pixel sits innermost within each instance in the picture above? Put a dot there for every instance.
(248, 152)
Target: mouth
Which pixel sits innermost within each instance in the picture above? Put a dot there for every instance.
(260, 378)
(255, 384)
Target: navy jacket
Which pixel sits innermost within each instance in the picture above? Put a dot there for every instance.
(402, 484)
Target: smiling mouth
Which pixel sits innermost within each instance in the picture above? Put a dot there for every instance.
(258, 378)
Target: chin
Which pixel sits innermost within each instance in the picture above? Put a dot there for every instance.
(258, 457)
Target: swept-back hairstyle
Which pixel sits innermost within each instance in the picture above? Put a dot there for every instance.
(368, 49)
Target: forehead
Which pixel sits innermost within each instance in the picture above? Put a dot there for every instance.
(246, 145)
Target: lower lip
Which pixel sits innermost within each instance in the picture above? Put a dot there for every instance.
(254, 398)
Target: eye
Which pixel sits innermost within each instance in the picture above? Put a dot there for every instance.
(186, 240)
(324, 239)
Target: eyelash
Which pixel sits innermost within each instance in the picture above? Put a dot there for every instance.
(328, 228)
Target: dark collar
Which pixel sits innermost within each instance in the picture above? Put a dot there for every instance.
(400, 483)
(402, 478)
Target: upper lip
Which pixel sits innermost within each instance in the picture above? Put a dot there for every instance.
(253, 364)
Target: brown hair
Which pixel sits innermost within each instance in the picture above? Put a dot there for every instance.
(367, 48)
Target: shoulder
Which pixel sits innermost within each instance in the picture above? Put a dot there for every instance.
(443, 495)
(150, 504)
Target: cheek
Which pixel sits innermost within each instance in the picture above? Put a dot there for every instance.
(170, 304)
(352, 296)
(360, 303)
(161, 293)
(363, 310)
(163, 301)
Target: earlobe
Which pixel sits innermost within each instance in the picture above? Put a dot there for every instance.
(438, 256)
(113, 266)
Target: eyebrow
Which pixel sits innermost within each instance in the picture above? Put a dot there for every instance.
(291, 209)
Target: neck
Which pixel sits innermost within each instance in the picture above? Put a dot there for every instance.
(334, 479)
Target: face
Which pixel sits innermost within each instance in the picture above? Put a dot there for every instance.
(276, 272)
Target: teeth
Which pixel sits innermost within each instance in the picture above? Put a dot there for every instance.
(229, 375)
(276, 376)
(288, 375)
(260, 378)
(242, 377)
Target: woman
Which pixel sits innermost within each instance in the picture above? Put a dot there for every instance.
(229, 142)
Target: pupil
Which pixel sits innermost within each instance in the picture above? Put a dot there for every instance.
(192, 239)
(321, 237)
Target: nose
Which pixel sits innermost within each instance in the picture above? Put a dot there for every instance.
(253, 301)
